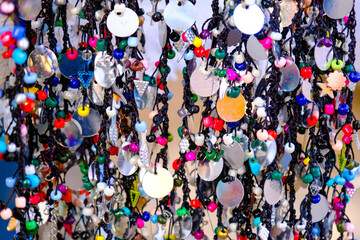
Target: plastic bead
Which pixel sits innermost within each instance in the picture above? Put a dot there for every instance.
(56, 195)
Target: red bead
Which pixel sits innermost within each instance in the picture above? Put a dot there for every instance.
(296, 235)
(34, 199)
(176, 164)
(207, 52)
(42, 196)
(199, 51)
(113, 150)
(6, 39)
(96, 138)
(72, 54)
(306, 72)
(218, 124)
(28, 105)
(42, 95)
(59, 123)
(311, 121)
(183, 37)
(347, 129)
(8, 53)
(195, 203)
(272, 135)
(159, 84)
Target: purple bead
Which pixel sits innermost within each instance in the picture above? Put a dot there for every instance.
(286, 128)
(327, 42)
(62, 188)
(338, 206)
(134, 147)
(205, 34)
(70, 220)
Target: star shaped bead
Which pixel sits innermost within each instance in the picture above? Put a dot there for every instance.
(325, 90)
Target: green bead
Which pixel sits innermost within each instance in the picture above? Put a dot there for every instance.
(220, 54)
(32, 232)
(88, 186)
(184, 71)
(340, 226)
(276, 175)
(85, 179)
(171, 54)
(350, 164)
(26, 183)
(210, 155)
(301, 65)
(84, 169)
(100, 44)
(35, 162)
(153, 82)
(30, 225)
(222, 73)
(51, 102)
(307, 178)
(235, 138)
(217, 229)
(177, 182)
(60, 114)
(316, 172)
(118, 213)
(234, 92)
(162, 219)
(123, 44)
(170, 137)
(81, 162)
(181, 211)
(59, 57)
(194, 98)
(63, 158)
(162, 70)
(147, 78)
(349, 68)
(81, 15)
(59, 23)
(101, 158)
(179, 130)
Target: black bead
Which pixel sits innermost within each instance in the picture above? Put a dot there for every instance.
(85, 235)
(140, 12)
(266, 3)
(192, 145)
(75, 235)
(156, 17)
(302, 130)
(200, 156)
(257, 213)
(151, 138)
(194, 109)
(192, 47)
(10, 156)
(157, 119)
(43, 139)
(126, 109)
(356, 125)
(251, 236)
(260, 35)
(174, 36)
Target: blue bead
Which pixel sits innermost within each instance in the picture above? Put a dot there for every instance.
(301, 100)
(34, 179)
(30, 78)
(154, 218)
(170, 95)
(55, 81)
(189, 55)
(46, 27)
(354, 76)
(4, 29)
(141, 126)
(18, 32)
(133, 41)
(257, 221)
(316, 199)
(19, 56)
(348, 175)
(118, 53)
(2, 146)
(74, 83)
(127, 211)
(1, 93)
(31, 95)
(330, 182)
(315, 230)
(56, 195)
(142, 192)
(58, 48)
(343, 109)
(146, 216)
(13, 103)
(240, 66)
(340, 180)
(10, 182)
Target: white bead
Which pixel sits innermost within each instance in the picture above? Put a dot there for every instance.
(23, 43)
(212, 51)
(11, 147)
(99, 15)
(203, 70)
(109, 191)
(241, 170)
(232, 173)
(256, 73)
(249, 2)
(289, 147)
(68, 95)
(88, 211)
(244, 126)
(281, 225)
(119, 8)
(35, 24)
(276, 36)
(199, 139)
(75, 10)
(134, 159)
(100, 186)
(20, 98)
(284, 203)
(216, 32)
(259, 102)
(300, 225)
(111, 111)
(239, 133)
(58, 88)
(228, 140)
(60, 2)
(233, 227)
(257, 191)
(249, 153)
(239, 57)
(261, 112)
(29, 169)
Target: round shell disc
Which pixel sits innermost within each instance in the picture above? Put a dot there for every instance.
(231, 109)
(202, 85)
(230, 194)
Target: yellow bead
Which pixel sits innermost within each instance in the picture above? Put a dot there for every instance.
(197, 42)
(99, 237)
(337, 64)
(306, 161)
(170, 237)
(83, 111)
(222, 233)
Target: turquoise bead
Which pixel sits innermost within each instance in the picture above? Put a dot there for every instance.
(19, 56)
(35, 180)
(56, 195)
(257, 221)
(2, 146)
(189, 55)
(141, 126)
(254, 166)
(348, 175)
(30, 78)
(126, 210)
(133, 42)
(154, 218)
(330, 182)
(340, 180)
(31, 95)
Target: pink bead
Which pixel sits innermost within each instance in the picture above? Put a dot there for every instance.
(161, 140)
(7, 7)
(62, 188)
(346, 18)
(347, 139)
(190, 156)
(134, 147)
(20, 202)
(23, 130)
(281, 63)
(247, 78)
(338, 206)
(329, 109)
(140, 223)
(208, 121)
(337, 146)
(338, 214)
(146, 64)
(199, 234)
(267, 43)
(212, 207)
(231, 74)
(6, 213)
(286, 128)
(349, 227)
(92, 41)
